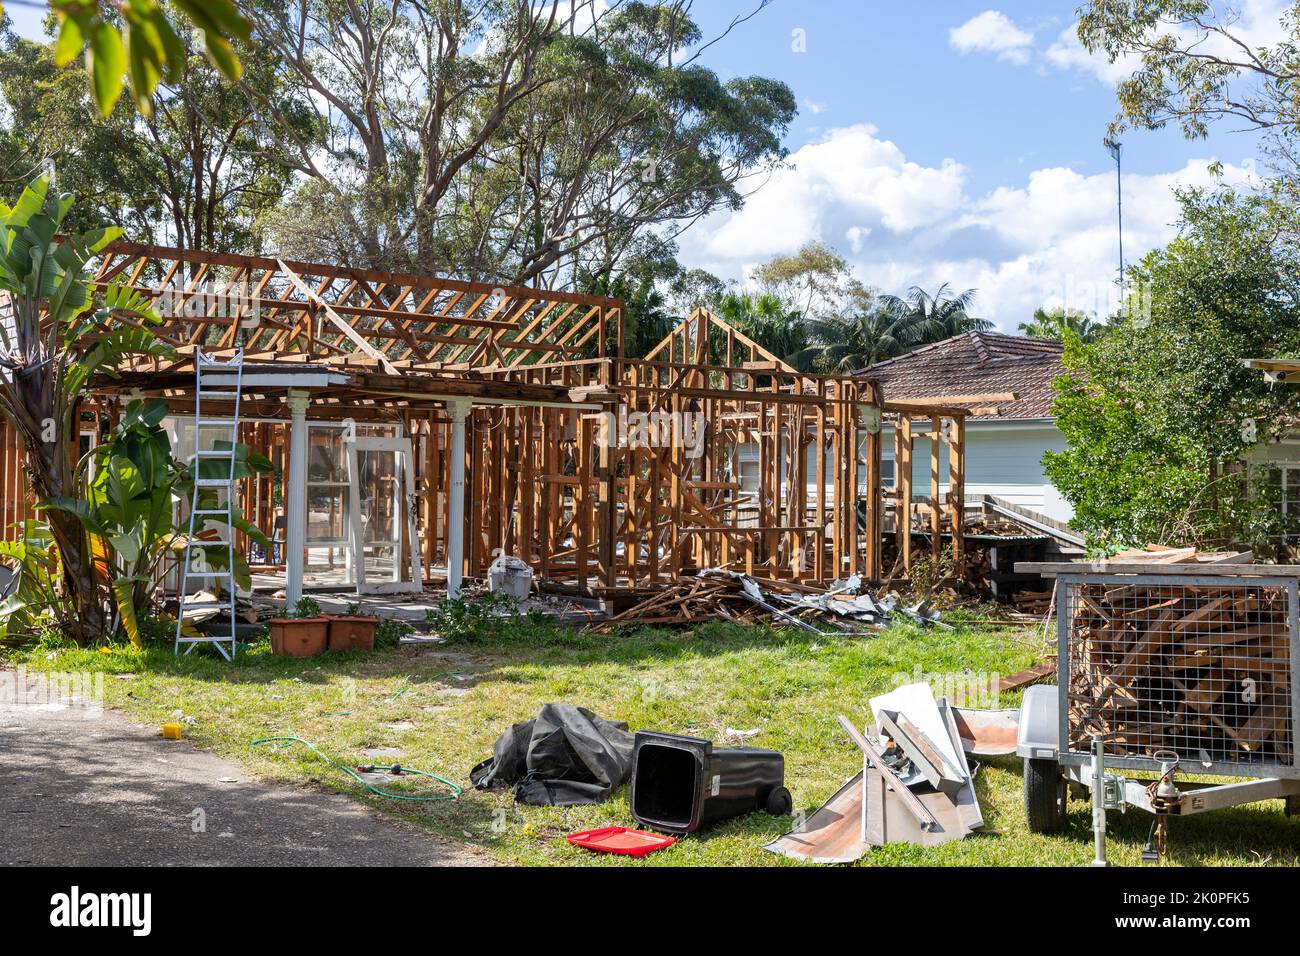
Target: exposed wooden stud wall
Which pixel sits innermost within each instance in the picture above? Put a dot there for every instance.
(597, 514)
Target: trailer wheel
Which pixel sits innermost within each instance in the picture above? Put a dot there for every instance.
(1045, 796)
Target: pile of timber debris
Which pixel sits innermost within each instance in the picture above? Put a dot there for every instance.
(1032, 602)
(1203, 669)
(1164, 554)
(719, 593)
(995, 525)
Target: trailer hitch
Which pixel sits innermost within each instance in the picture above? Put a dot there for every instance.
(1165, 799)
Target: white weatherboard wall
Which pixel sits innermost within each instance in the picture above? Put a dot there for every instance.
(1002, 458)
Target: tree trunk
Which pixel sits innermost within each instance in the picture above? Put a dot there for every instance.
(50, 473)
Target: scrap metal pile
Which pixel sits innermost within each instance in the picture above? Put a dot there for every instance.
(719, 593)
(917, 784)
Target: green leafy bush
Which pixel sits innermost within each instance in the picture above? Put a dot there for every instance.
(494, 618)
(390, 631)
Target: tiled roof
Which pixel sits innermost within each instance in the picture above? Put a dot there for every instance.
(977, 363)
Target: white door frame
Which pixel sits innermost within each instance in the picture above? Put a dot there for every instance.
(404, 459)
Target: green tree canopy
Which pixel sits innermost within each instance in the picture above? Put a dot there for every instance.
(933, 318)
(1196, 62)
(1159, 411)
(198, 171)
(538, 144)
(843, 344)
(766, 319)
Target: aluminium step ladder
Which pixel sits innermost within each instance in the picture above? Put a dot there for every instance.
(214, 478)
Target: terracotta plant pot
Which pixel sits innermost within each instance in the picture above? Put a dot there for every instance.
(352, 632)
(298, 636)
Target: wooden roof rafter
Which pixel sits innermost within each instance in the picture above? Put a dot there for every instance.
(211, 299)
(693, 341)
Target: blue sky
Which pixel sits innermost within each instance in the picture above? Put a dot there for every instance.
(956, 142)
(948, 141)
(894, 65)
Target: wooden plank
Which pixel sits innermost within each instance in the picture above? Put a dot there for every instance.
(903, 471)
(352, 334)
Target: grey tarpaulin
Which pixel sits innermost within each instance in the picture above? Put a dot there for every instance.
(566, 755)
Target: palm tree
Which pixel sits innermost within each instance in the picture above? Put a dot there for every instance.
(767, 320)
(847, 343)
(933, 318)
(1056, 323)
(647, 320)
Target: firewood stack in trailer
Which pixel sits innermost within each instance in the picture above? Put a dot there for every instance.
(1200, 665)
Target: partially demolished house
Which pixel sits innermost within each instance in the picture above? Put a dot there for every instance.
(422, 426)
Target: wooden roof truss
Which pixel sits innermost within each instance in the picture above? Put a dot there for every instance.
(317, 312)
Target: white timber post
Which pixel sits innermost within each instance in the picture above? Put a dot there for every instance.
(295, 532)
(459, 410)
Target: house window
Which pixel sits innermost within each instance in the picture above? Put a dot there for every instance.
(1284, 490)
(887, 472)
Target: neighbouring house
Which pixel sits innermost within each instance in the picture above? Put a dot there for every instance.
(1281, 456)
(1005, 438)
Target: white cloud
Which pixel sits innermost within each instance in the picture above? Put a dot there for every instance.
(1049, 239)
(813, 107)
(992, 32)
(867, 180)
(1067, 53)
(1058, 233)
(1256, 23)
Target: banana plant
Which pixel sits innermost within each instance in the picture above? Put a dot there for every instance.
(58, 330)
(134, 487)
(33, 603)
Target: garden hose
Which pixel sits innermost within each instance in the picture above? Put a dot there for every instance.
(290, 740)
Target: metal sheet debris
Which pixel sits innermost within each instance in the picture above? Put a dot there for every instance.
(922, 751)
(894, 799)
(732, 595)
(987, 733)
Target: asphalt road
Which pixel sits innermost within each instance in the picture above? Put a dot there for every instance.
(87, 787)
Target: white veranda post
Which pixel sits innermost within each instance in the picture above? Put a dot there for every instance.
(295, 534)
(459, 411)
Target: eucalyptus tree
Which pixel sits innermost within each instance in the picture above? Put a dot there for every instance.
(199, 171)
(1194, 63)
(508, 140)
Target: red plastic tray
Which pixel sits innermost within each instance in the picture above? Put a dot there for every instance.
(620, 840)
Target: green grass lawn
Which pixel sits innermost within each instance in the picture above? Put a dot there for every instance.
(443, 707)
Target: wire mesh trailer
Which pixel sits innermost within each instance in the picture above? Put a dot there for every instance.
(1173, 669)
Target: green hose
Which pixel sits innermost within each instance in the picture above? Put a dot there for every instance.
(289, 741)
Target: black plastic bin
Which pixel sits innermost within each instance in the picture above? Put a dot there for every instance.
(680, 784)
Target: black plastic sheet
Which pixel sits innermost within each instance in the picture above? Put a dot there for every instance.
(566, 755)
